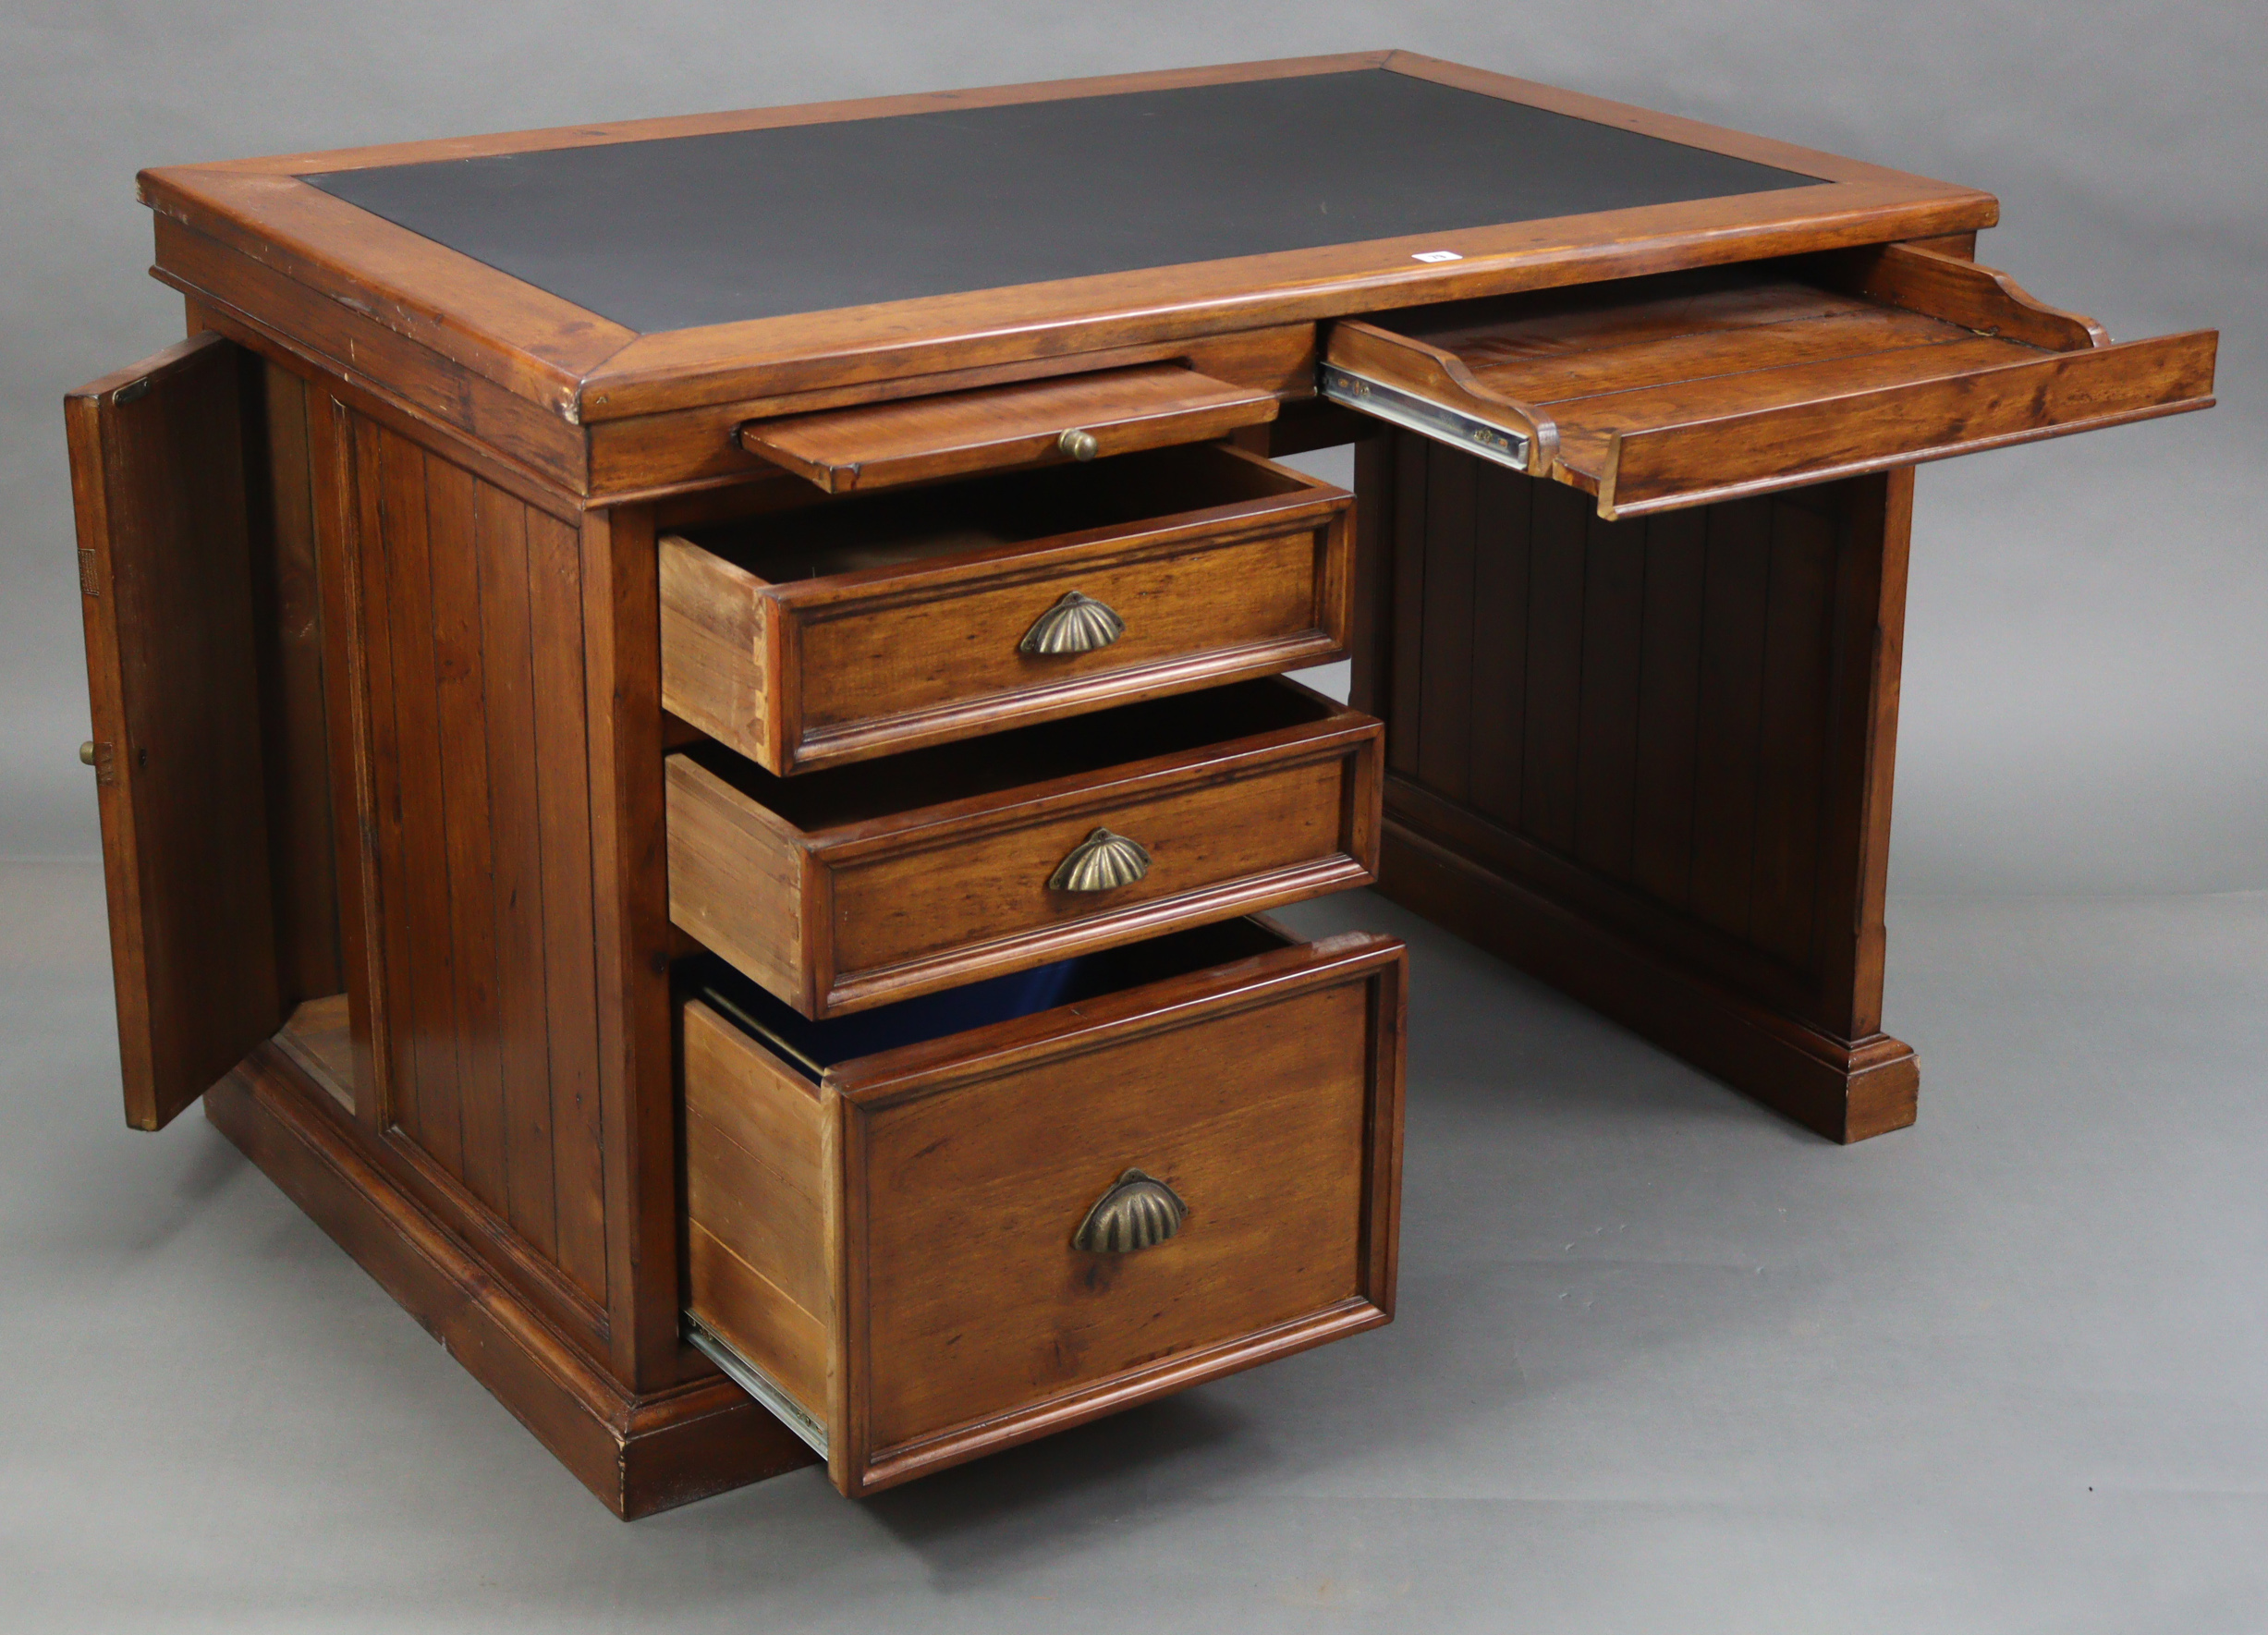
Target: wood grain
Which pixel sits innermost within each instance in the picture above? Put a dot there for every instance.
(635, 1079)
(1444, 625)
(1552, 733)
(921, 439)
(352, 343)
(1869, 613)
(757, 1195)
(367, 753)
(493, 463)
(1844, 1090)
(1803, 327)
(1707, 384)
(914, 875)
(1221, 564)
(166, 572)
(557, 690)
(515, 808)
(1668, 704)
(815, 351)
(1503, 504)
(1706, 717)
(288, 630)
(376, 750)
(481, 858)
(645, 457)
(362, 625)
(319, 1036)
(1729, 728)
(349, 709)
(1368, 686)
(972, 1315)
(460, 311)
(1277, 1203)
(1407, 509)
(348, 749)
(1799, 641)
(1606, 733)
(1874, 426)
(468, 822)
(718, 658)
(958, 1318)
(427, 1104)
(742, 883)
(582, 371)
(1921, 278)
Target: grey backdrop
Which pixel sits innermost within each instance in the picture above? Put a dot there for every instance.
(2084, 668)
(1662, 1361)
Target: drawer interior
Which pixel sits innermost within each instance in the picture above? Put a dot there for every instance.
(1698, 385)
(811, 1047)
(898, 529)
(865, 790)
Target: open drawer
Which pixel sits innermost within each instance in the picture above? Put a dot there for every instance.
(858, 884)
(844, 629)
(1689, 387)
(930, 1231)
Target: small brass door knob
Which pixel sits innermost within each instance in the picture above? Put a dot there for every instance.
(1078, 444)
(86, 753)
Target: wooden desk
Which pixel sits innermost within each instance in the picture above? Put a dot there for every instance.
(687, 728)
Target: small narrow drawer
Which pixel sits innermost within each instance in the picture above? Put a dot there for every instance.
(846, 629)
(931, 1231)
(871, 445)
(863, 884)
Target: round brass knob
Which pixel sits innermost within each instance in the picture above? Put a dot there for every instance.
(86, 753)
(1078, 444)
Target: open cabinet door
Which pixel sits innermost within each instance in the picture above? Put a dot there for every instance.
(164, 572)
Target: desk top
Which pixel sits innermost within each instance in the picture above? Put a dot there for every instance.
(605, 273)
(684, 231)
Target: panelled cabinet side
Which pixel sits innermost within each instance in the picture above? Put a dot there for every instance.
(480, 874)
(497, 735)
(451, 631)
(1651, 759)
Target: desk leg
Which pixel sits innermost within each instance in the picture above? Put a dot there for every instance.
(1649, 761)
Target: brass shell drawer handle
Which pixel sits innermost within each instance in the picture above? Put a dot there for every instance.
(1138, 1213)
(1077, 623)
(1102, 862)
